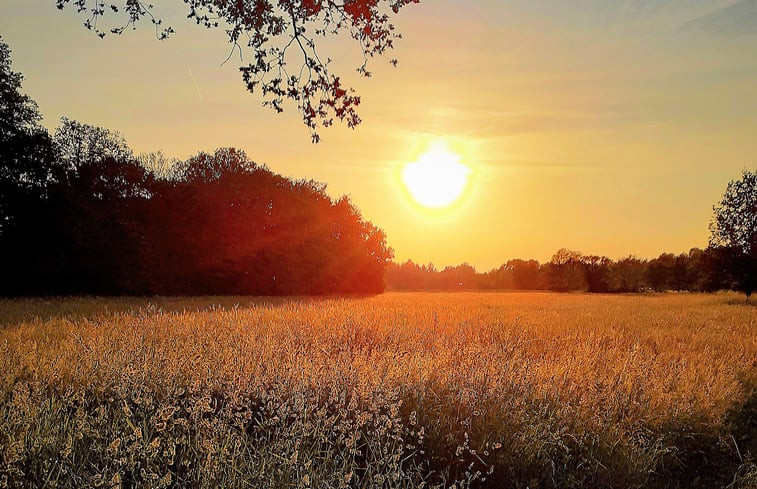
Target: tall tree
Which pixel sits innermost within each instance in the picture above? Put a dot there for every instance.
(26, 171)
(266, 31)
(596, 271)
(18, 112)
(734, 230)
(24, 144)
(565, 271)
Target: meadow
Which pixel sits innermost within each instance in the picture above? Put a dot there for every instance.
(400, 390)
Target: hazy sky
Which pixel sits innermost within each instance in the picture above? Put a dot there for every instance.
(606, 126)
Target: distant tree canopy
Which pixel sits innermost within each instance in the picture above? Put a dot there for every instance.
(266, 30)
(696, 271)
(730, 262)
(734, 231)
(82, 215)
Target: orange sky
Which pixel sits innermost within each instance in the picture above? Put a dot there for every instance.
(610, 127)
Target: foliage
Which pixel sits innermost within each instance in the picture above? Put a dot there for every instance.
(18, 112)
(697, 271)
(80, 214)
(399, 390)
(224, 225)
(735, 221)
(734, 230)
(266, 30)
(25, 149)
(565, 271)
(79, 145)
(27, 170)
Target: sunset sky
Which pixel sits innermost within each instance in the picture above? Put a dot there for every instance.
(605, 126)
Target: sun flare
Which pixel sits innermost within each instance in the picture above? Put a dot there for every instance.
(438, 178)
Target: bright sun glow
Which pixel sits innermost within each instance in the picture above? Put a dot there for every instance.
(437, 179)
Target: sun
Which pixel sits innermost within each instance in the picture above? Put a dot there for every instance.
(438, 179)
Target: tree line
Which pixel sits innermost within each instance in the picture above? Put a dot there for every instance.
(568, 270)
(80, 214)
(729, 262)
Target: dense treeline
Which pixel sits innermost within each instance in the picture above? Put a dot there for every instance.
(729, 262)
(80, 214)
(699, 270)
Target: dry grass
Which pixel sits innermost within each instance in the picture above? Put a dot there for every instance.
(400, 390)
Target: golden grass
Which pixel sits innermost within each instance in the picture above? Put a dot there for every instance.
(399, 390)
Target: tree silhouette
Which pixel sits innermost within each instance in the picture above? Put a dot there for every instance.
(734, 230)
(78, 145)
(597, 273)
(79, 214)
(265, 31)
(659, 273)
(699, 270)
(565, 271)
(527, 274)
(628, 275)
(24, 144)
(26, 173)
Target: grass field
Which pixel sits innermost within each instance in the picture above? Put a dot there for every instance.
(399, 390)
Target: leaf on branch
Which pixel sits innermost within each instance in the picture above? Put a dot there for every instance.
(271, 34)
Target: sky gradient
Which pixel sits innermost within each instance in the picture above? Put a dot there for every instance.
(606, 126)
